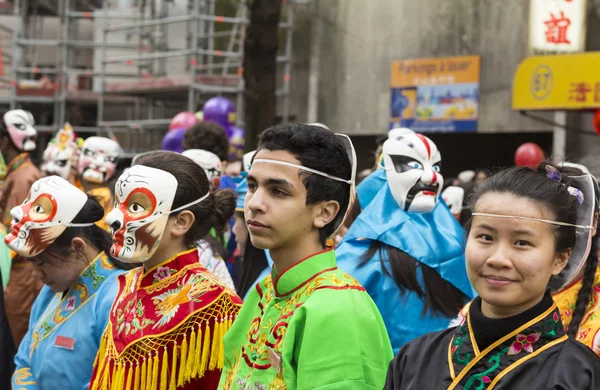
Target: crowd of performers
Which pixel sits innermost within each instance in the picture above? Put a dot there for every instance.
(200, 267)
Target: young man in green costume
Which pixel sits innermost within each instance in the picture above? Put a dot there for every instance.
(308, 325)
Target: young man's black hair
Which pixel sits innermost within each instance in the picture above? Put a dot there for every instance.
(317, 149)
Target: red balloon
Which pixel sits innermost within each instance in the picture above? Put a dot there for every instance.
(183, 120)
(597, 122)
(529, 155)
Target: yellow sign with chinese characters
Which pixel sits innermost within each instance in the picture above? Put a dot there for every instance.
(558, 82)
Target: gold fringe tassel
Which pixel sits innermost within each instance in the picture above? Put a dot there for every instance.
(196, 368)
(143, 385)
(121, 376)
(189, 361)
(136, 380)
(173, 381)
(205, 350)
(221, 351)
(164, 370)
(113, 377)
(100, 362)
(182, 362)
(129, 377)
(149, 372)
(155, 372)
(190, 357)
(106, 377)
(214, 349)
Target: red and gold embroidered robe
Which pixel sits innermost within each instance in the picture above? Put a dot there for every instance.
(166, 328)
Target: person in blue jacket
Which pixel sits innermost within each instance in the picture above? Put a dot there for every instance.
(405, 247)
(54, 228)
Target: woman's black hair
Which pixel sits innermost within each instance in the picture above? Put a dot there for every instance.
(93, 235)
(438, 295)
(524, 182)
(192, 183)
(585, 293)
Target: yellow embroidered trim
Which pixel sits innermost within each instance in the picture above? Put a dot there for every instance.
(185, 252)
(463, 312)
(178, 275)
(497, 343)
(524, 359)
(197, 354)
(472, 336)
(20, 376)
(450, 365)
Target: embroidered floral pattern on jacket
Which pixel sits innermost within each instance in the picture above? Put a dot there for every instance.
(131, 319)
(265, 337)
(166, 327)
(546, 331)
(162, 273)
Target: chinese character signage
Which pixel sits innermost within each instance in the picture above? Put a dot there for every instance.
(557, 26)
(435, 94)
(559, 82)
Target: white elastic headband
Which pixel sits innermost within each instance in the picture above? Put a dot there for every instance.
(533, 219)
(78, 224)
(185, 206)
(349, 148)
(303, 168)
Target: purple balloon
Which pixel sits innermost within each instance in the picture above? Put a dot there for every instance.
(236, 137)
(173, 140)
(220, 110)
(184, 120)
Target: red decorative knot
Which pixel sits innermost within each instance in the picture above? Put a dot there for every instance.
(193, 61)
(220, 19)
(87, 14)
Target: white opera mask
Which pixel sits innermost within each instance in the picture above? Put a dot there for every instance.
(19, 124)
(62, 153)
(49, 209)
(412, 164)
(98, 160)
(209, 162)
(454, 197)
(143, 199)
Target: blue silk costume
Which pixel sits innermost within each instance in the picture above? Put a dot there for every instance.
(434, 239)
(241, 190)
(64, 334)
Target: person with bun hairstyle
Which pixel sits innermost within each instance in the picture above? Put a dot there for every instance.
(54, 229)
(530, 232)
(166, 325)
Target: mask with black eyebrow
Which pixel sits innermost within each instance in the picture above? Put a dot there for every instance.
(413, 170)
(19, 124)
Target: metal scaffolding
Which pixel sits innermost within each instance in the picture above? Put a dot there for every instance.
(209, 64)
(50, 89)
(147, 62)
